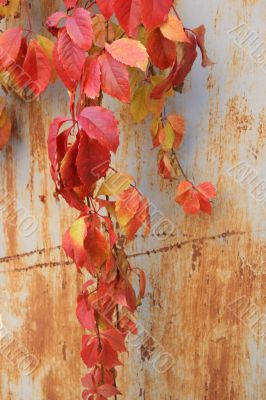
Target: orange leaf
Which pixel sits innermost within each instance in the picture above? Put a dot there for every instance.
(173, 29)
(200, 36)
(129, 52)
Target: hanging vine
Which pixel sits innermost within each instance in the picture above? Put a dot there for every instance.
(141, 57)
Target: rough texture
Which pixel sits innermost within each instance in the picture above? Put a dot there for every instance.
(205, 304)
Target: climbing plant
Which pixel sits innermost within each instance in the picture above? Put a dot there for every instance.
(138, 52)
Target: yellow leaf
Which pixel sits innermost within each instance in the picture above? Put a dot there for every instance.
(155, 106)
(167, 137)
(139, 108)
(10, 10)
(115, 184)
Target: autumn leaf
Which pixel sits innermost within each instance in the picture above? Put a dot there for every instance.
(106, 7)
(114, 78)
(86, 244)
(98, 27)
(129, 52)
(71, 56)
(73, 242)
(115, 184)
(48, 47)
(92, 161)
(101, 125)
(167, 165)
(112, 342)
(142, 103)
(52, 139)
(68, 167)
(132, 212)
(10, 42)
(79, 28)
(128, 13)
(161, 50)
(186, 56)
(139, 104)
(194, 199)
(91, 78)
(5, 124)
(70, 3)
(85, 312)
(9, 8)
(200, 36)
(36, 65)
(173, 29)
(93, 382)
(64, 75)
(56, 22)
(155, 12)
(172, 134)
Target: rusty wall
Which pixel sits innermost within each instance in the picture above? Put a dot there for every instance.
(202, 324)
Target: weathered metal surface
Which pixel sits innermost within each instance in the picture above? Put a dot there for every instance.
(205, 308)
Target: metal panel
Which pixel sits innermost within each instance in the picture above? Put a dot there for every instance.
(205, 309)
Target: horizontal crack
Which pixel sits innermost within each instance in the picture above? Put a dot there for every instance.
(145, 253)
(38, 266)
(178, 245)
(30, 253)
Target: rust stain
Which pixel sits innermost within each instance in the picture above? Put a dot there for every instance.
(10, 210)
(38, 153)
(238, 116)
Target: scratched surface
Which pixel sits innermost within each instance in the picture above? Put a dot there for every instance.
(205, 307)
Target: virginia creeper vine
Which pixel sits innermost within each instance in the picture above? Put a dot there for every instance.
(141, 57)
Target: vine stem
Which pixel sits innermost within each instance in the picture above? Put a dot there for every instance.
(176, 13)
(26, 6)
(181, 168)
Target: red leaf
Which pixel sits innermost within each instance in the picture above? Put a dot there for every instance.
(10, 42)
(191, 204)
(92, 161)
(101, 125)
(70, 3)
(71, 56)
(36, 65)
(85, 313)
(129, 52)
(53, 21)
(107, 390)
(186, 62)
(114, 78)
(52, 143)
(180, 69)
(75, 198)
(200, 36)
(128, 13)
(116, 339)
(155, 12)
(89, 353)
(65, 76)
(91, 78)
(79, 28)
(161, 50)
(106, 7)
(68, 169)
(207, 189)
(73, 242)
